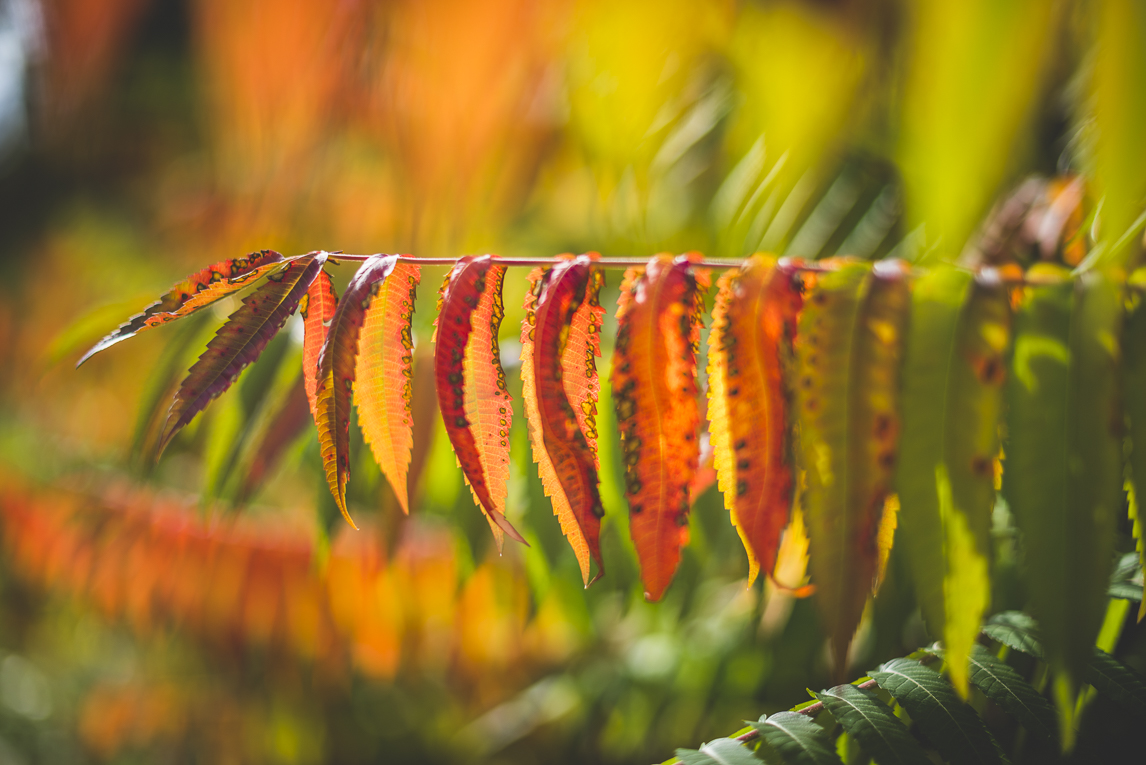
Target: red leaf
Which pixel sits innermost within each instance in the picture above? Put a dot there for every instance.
(317, 309)
(470, 381)
(384, 377)
(654, 391)
(240, 341)
(198, 290)
(753, 325)
(560, 340)
(336, 373)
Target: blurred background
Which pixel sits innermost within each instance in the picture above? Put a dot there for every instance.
(212, 606)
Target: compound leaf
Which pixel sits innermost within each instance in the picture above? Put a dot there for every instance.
(870, 722)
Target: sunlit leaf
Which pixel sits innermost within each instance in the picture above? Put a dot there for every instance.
(317, 311)
(560, 340)
(198, 290)
(1134, 382)
(796, 739)
(470, 381)
(240, 341)
(654, 392)
(722, 751)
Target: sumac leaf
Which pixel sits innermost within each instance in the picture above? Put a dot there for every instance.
(241, 339)
(383, 387)
(848, 350)
(870, 722)
(337, 365)
(721, 751)
(198, 290)
(750, 347)
(560, 342)
(1006, 687)
(1117, 682)
(952, 405)
(797, 739)
(470, 381)
(654, 391)
(317, 311)
(1134, 383)
(1063, 474)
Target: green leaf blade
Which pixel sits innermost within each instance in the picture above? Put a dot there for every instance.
(797, 740)
(1003, 685)
(722, 751)
(1117, 682)
(870, 722)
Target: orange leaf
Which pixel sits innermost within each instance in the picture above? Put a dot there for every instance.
(470, 381)
(753, 324)
(654, 391)
(336, 373)
(560, 342)
(198, 290)
(240, 341)
(384, 377)
(317, 310)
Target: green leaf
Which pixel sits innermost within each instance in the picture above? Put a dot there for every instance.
(952, 726)
(874, 725)
(1064, 463)
(1003, 685)
(797, 740)
(952, 399)
(1134, 379)
(722, 751)
(1117, 682)
(1126, 581)
(1016, 630)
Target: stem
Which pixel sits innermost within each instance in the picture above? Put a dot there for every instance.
(811, 711)
(603, 262)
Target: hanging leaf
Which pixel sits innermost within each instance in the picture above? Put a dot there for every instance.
(952, 399)
(337, 364)
(753, 324)
(470, 381)
(1064, 467)
(240, 341)
(654, 392)
(869, 721)
(796, 739)
(560, 342)
(317, 311)
(1134, 382)
(952, 726)
(722, 751)
(198, 290)
(384, 376)
(848, 350)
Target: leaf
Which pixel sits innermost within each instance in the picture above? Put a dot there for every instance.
(654, 392)
(560, 340)
(874, 725)
(722, 751)
(317, 311)
(198, 290)
(848, 348)
(952, 726)
(336, 370)
(750, 346)
(1125, 581)
(1117, 682)
(384, 376)
(797, 739)
(240, 341)
(1016, 630)
(1134, 382)
(952, 398)
(470, 381)
(1064, 467)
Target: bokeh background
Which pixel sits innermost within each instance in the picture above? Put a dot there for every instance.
(212, 606)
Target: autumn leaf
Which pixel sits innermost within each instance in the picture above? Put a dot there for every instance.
(654, 391)
(198, 290)
(317, 311)
(470, 382)
(753, 324)
(240, 341)
(560, 340)
(337, 365)
(384, 376)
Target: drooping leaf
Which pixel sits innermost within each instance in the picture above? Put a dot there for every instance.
(384, 376)
(337, 365)
(848, 349)
(240, 341)
(1134, 383)
(470, 382)
(198, 290)
(560, 340)
(753, 324)
(317, 311)
(1064, 468)
(722, 751)
(873, 725)
(1016, 630)
(1117, 682)
(654, 392)
(797, 739)
(952, 726)
(952, 399)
